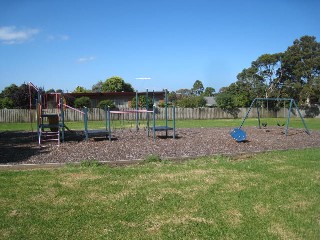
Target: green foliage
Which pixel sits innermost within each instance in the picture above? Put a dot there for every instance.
(209, 92)
(6, 103)
(89, 163)
(18, 97)
(80, 89)
(116, 84)
(311, 111)
(106, 104)
(191, 101)
(82, 102)
(197, 88)
(97, 87)
(153, 158)
(142, 102)
(226, 100)
(294, 73)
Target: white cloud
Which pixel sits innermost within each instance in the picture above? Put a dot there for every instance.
(85, 59)
(12, 35)
(61, 37)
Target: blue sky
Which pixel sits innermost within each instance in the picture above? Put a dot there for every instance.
(65, 44)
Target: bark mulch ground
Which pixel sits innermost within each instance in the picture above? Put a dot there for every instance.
(22, 147)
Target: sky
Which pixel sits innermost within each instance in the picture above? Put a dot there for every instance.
(151, 44)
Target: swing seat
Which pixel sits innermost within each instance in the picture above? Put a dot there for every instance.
(238, 134)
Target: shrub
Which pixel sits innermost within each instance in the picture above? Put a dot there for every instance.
(6, 103)
(191, 101)
(106, 103)
(142, 102)
(82, 102)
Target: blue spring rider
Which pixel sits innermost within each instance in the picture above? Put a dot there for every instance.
(238, 134)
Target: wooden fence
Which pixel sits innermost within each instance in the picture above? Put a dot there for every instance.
(96, 114)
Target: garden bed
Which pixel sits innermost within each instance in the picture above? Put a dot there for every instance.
(22, 147)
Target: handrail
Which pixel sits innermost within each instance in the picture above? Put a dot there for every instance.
(77, 110)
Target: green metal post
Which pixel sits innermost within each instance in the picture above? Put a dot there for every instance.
(304, 124)
(154, 122)
(137, 114)
(62, 119)
(108, 117)
(85, 110)
(166, 111)
(258, 112)
(288, 119)
(174, 121)
(147, 114)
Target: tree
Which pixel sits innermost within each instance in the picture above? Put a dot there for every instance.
(6, 103)
(209, 92)
(97, 87)
(82, 102)
(301, 65)
(142, 102)
(227, 102)
(184, 91)
(267, 66)
(191, 101)
(51, 90)
(80, 89)
(116, 84)
(197, 88)
(18, 97)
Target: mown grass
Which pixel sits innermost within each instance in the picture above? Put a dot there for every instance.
(312, 123)
(273, 195)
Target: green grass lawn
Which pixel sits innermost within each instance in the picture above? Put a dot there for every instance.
(312, 123)
(273, 195)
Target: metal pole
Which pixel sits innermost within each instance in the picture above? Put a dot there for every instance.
(174, 121)
(85, 110)
(247, 114)
(258, 113)
(137, 114)
(154, 122)
(166, 111)
(304, 124)
(108, 123)
(147, 114)
(62, 118)
(288, 119)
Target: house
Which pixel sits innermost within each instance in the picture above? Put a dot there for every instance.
(120, 99)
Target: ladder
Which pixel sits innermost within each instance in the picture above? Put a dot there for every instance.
(49, 132)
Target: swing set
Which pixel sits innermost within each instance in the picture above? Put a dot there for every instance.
(240, 135)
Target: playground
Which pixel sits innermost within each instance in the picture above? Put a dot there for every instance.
(130, 145)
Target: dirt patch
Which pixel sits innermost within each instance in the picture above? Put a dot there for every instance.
(22, 147)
